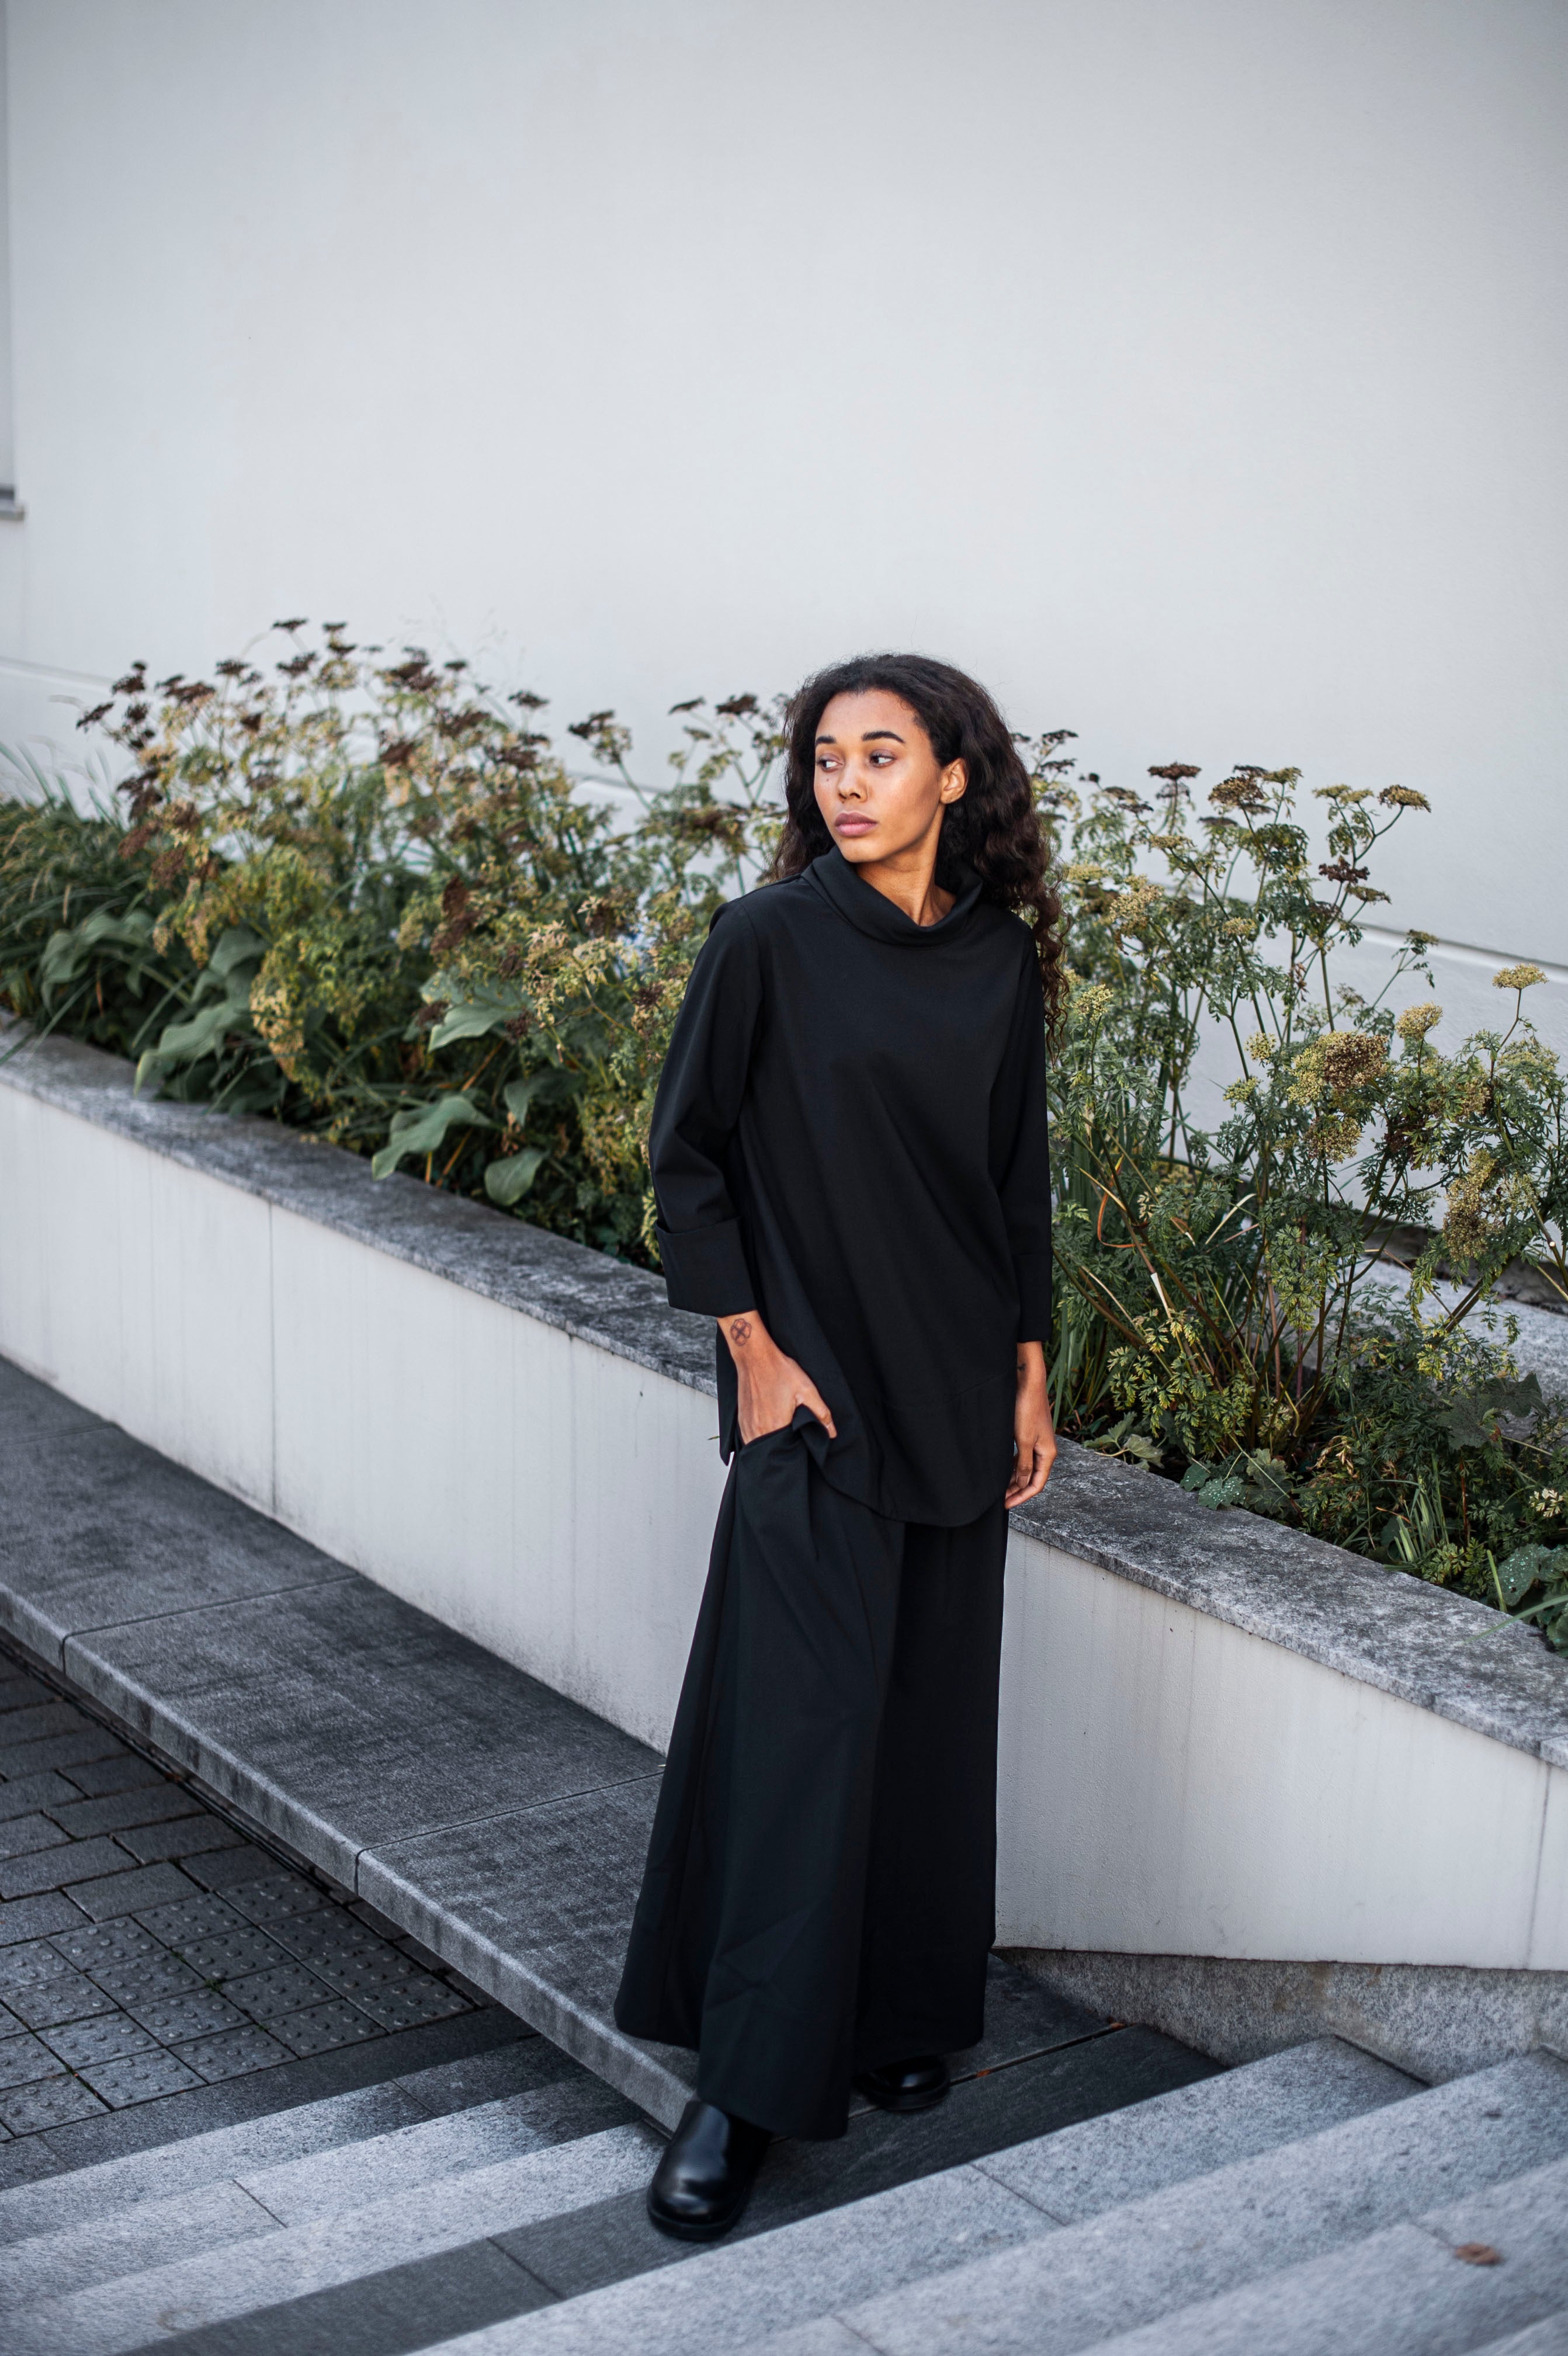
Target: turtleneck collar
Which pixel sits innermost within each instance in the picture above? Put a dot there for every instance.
(871, 912)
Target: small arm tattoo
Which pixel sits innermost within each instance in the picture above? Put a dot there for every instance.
(740, 1331)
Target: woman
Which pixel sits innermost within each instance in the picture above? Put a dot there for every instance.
(849, 1155)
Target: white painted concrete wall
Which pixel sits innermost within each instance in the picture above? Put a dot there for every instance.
(1169, 1784)
(1193, 373)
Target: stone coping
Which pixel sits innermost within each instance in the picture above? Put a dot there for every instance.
(1384, 1628)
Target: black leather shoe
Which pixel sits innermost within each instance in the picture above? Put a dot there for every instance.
(702, 2183)
(915, 2085)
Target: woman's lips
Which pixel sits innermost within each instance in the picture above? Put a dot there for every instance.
(853, 824)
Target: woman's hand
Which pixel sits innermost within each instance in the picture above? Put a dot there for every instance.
(1034, 1433)
(771, 1386)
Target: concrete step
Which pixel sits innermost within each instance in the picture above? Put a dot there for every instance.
(1405, 2292)
(188, 2164)
(303, 2190)
(404, 2227)
(1064, 2291)
(500, 1825)
(800, 2273)
(1546, 2338)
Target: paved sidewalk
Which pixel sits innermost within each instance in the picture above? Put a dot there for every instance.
(147, 1946)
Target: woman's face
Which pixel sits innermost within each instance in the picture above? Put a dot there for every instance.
(880, 787)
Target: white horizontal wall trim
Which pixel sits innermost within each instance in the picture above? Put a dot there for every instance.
(1219, 1738)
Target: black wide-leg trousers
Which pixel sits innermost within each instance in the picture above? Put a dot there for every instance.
(820, 1891)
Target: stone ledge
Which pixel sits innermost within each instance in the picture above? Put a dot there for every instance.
(1383, 1628)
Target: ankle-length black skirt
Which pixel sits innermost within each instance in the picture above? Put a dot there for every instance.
(819, 1892)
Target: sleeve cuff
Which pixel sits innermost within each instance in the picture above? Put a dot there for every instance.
(1035, 1298)
(705, 1270)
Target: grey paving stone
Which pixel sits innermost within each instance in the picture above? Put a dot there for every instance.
(143, 1804)
(319, 2028)
(35, 1413)
(37, 1719)
(267, 1995)
(187, 1838)
(92, 1946)
(1402, 2292)
(138, 2077)
(66, 1996)
(18, 1689)
(59, 1866)
(142, 1978)
(308, 2119)
(99, 1529)
(278, 1897)
(126, 1773)
(29, 1961)
(401, 2006)
(232, 2052)
(247, 1863)
(27, 2109)
(199, 1914)
(1193, 2130)
(303, 2260)
(1151, 2257)
(103, 2038)
(24, 2059)
(176, 2015)
(127, 2243)
(358, 1720)
(534, 1908)
(225, 1955)
(129, 1892)
(113, 2134)
(20, 1835)
(27, 1793)
(383, 2314)
(62, 1751)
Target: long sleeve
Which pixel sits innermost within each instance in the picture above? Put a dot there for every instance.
(1021, 1158)
(694, 1117)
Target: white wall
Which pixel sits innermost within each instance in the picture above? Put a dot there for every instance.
(1191, 372)
(1169, 1784)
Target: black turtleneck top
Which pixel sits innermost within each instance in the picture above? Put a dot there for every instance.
(850, 1138)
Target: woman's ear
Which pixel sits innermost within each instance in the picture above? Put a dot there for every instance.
(955, 781)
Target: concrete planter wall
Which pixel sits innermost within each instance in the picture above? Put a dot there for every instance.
(1220, 1739)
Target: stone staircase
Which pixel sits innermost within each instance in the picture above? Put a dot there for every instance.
(270, 1840)
(1315, 2202)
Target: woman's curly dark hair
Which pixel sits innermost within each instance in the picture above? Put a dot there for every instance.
(995, 828)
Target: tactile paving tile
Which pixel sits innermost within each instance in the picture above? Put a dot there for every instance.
(330, 1931)
(266, 1995)
(229, 1953)
(407, 2003)
(53, 2104)
(378, 1967)
(139, 2078)
(108, 1943)
(146, 1977)
(24, 2058)
(279, 1895)
(27, 1963)
(174, 2015)
(233, 2053)
(105, 2038)
(322, 2026)
(202, 1917)
(66, 1996)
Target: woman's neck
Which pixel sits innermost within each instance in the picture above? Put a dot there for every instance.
(908, 878)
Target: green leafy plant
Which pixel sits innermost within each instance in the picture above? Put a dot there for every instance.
(363, 894)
